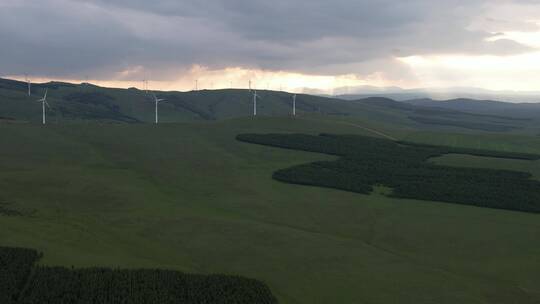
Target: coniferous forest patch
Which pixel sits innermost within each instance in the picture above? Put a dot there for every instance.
(366, 161)
(21, 281)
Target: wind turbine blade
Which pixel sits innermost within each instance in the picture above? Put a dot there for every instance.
(47, 104)
(46, 91)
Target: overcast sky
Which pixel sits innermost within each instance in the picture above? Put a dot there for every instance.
(291, 43)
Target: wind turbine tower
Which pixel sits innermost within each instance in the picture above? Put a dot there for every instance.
(255, 96)
(145, 86)
(157, 101)
(29, 85)
(43, 103)
(294, 105)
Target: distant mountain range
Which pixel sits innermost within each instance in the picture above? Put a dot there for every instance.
(396, 93)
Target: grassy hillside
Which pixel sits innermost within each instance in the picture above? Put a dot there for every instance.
(86, 103)
(471, 115)
(190, 197)
(486, 107)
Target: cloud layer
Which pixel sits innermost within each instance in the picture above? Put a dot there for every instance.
(125, 39)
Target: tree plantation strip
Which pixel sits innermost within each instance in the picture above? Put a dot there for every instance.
(365, 162)
(15, 267)
(22, 282)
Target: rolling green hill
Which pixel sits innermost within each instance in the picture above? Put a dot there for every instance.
(86, 103)
(486, 107)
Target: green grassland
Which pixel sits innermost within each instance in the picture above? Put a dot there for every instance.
(189, 197)
(470, 161)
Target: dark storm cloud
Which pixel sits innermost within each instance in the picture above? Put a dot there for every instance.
(69, 38)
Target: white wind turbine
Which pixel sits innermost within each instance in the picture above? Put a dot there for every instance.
(43, 103)
(145, 86)
(29, 85)
(157, 101)
(255, 96)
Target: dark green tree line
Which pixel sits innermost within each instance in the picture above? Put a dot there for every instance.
(23, 283)
(402, 166)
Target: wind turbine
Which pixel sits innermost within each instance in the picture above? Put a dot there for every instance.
(29, 85)
(157, 101)
(255, 96)
(145, 86)
(294, 105)
(43, 103)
